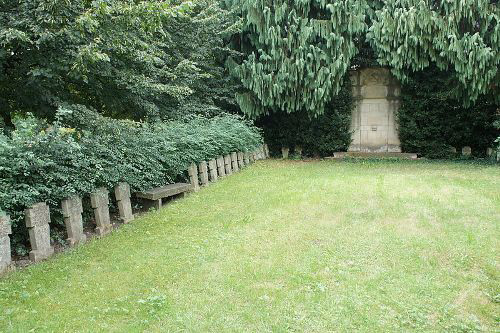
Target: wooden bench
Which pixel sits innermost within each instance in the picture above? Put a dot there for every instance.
(156, 195)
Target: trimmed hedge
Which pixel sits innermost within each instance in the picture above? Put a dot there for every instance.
(432, 122)
(83, 150)
(321, 135)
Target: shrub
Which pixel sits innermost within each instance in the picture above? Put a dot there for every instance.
(321, 135)
(432, 122)
(82, 150)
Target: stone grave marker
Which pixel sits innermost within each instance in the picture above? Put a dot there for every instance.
(241, 162)
(37, 219)
(221, 169)
(227, 164)
(72, 212)
(100, 203)
(466, 151)
(234, 162)
(203, 172)
(212, 170)
(5, 254)
(246, 158)
(193, 177)
(266, 150)
(122, 195)
(298, 151)
(284, 152)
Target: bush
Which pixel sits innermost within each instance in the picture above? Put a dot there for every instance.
(82, 151)
(321, 135)
(432, 122)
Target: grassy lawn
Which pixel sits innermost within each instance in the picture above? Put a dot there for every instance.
(286, 246)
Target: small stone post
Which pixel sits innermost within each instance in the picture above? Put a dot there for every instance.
(241, 162)
(37, 219)
(227, 164)
(298, 151)
(122, 195)
(221, 169)
(284, 152)
(489, 152)
(72, 212)
(193, 177)
(100, 203)
(203, 172)
(246, 158)
(255, 155)
(466, 151)
(234, 162)
(212, 170)
(5, 254)
(266, 150)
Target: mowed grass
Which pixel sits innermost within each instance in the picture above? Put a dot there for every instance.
(286, 246)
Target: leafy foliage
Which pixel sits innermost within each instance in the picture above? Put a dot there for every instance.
(139, 59)
(321, 135)
(297, 53)
(432, 122)
(40, 162)
(462, 36)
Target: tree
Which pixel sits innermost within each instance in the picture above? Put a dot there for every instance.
(296, 52)
(125, 58)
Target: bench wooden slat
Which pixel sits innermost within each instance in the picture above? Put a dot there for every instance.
(164, 191)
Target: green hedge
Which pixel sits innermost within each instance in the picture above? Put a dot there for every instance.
(322, 135)
(432, 122)
(82, 150)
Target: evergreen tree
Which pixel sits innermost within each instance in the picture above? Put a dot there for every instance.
(296, 52)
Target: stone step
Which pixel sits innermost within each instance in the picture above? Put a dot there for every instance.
(358, 154)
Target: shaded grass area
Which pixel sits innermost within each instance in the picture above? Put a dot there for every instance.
(286, 246)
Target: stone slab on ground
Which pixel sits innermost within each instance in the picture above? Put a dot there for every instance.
(340, 155)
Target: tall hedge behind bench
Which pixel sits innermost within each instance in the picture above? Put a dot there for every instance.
(82, 151)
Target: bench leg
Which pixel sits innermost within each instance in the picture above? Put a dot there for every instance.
(157, 204)
(148, 204)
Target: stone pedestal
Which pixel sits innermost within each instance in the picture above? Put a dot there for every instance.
(193, 177)
(221, 169)
(284, 152)
(72, 212)
(100, 203)
(122, 195)
(37, 219)
(227, 164)
(212, 170)
(203, 173)
(5, 254)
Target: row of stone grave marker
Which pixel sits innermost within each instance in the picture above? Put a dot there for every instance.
(37, 217)
(209, 171)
